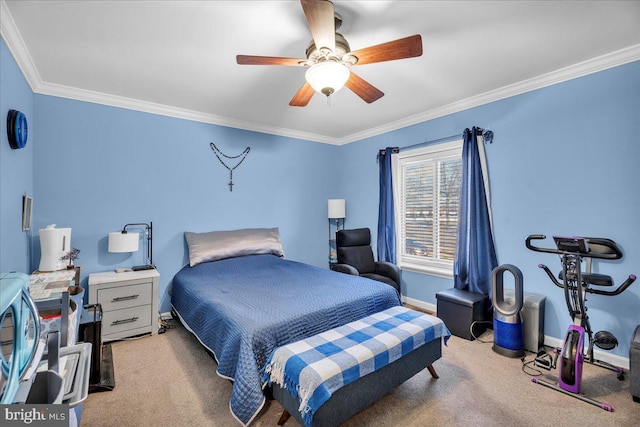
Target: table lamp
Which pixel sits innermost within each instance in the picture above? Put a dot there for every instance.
(125, 241)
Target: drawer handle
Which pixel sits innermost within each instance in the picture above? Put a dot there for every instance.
(127, 298)
(120, 322)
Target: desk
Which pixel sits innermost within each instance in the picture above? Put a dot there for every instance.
(50, 291)
(47, 285)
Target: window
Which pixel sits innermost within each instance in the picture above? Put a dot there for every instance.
(427, 195)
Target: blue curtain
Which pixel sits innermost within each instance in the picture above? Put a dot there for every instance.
(475, 251)
(386, 219)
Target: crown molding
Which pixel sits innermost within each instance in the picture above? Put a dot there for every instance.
(17, 47)
(19, 51)
(600, 63)
(68, 92)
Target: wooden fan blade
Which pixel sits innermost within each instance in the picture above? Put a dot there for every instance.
(303, 96)
(408, 47)
(268, 60)
(363, 89)
(321, 20)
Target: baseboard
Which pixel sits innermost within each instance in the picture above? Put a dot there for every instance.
(614, 359)
(419, 303)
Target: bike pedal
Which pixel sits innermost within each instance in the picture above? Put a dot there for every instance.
(543, 360)
(605, 340)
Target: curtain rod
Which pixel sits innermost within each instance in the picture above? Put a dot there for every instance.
(487, 136)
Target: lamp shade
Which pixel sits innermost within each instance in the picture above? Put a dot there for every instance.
(123, 242)
(327, 77)
(337, 208)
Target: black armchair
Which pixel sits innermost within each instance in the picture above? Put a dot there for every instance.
(356, 257)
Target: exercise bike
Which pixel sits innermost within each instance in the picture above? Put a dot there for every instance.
(576, 284)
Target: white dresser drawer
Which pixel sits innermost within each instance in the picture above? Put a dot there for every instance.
(126, 319)
(129, 302)
(120, 297)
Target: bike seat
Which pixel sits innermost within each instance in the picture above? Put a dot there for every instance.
(593, 279)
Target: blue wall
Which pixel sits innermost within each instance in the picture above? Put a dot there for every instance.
(99, 168)
(16, 166)
(564, 161)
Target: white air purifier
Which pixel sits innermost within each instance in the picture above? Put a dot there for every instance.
(54, 244)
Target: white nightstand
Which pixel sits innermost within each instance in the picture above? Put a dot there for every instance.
(129, 302)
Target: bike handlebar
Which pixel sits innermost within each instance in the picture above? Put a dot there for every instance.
(620, 289)
(611, 252)
(587, 247)
(536, 248)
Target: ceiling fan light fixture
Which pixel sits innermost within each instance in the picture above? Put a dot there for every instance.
(327, 77)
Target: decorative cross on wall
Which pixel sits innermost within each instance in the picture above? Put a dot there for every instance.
(219, 153)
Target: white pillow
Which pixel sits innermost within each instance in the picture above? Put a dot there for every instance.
(216, 245)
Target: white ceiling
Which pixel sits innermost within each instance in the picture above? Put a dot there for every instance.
(178, 57)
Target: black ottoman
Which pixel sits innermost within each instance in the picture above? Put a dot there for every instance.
(634, 365)
(458, 309)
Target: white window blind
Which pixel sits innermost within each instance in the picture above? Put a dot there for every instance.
(427, 195)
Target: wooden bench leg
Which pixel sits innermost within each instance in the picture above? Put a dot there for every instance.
(432, 371)
(283, 418)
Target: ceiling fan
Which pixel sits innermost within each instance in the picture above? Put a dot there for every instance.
(329, 56)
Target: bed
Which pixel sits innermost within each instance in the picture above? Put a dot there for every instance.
(243, 307)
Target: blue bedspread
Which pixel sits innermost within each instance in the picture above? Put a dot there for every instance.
(243, 308)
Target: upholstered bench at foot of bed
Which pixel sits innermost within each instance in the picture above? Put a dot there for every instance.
(325, 379)
(354, 397)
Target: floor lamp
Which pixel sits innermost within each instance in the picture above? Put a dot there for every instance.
(336, 213)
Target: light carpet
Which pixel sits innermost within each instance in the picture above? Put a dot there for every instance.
(170, 380)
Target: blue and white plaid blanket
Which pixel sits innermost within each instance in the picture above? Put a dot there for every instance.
(312, 369)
